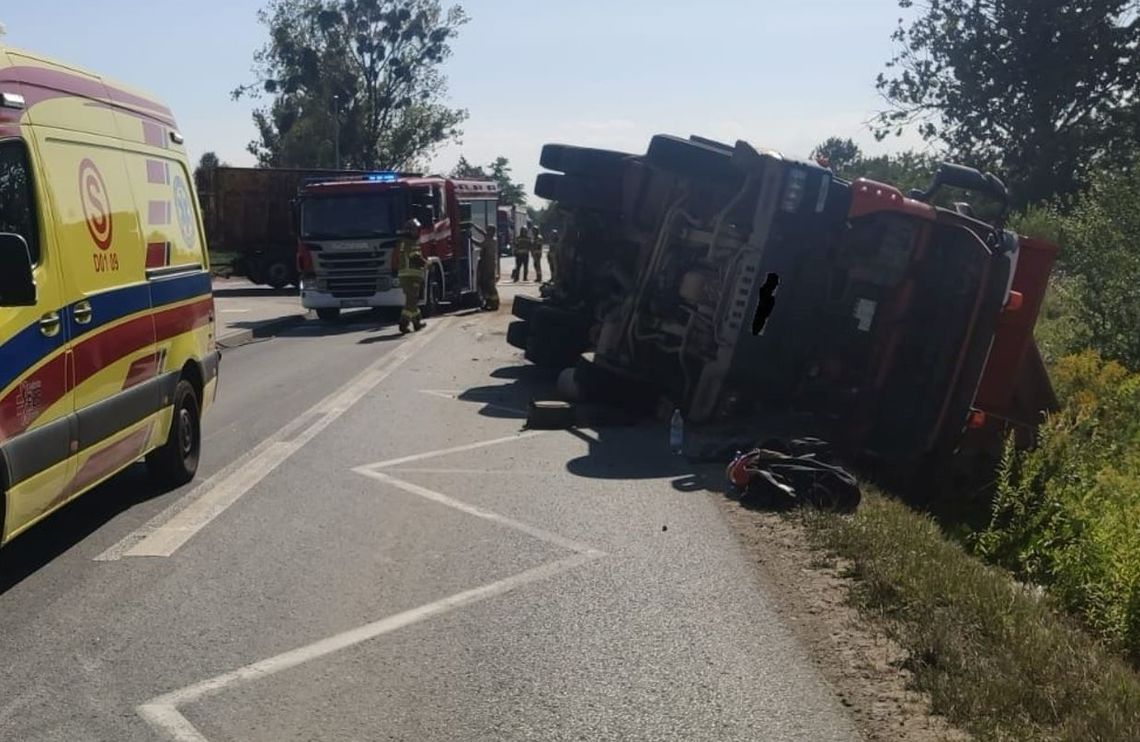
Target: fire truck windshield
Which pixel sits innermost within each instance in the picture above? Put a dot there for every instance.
(352, 216)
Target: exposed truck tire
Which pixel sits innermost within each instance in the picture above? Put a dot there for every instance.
(176, 462)
(556, 337)
(517, 334)
(524, 306)
(278, 274)
(580, 192)
(565, 158)
(599, 383)
(694, 159)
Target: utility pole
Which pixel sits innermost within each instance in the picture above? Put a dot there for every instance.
(336, 130)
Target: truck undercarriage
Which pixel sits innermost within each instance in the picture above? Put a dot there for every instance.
(894, 328)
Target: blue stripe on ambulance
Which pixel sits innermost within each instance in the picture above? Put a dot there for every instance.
(28, 347)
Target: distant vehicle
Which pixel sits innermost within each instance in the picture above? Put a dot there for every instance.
(348, 227)
(512, 221)
(107, 350)
(248, 212)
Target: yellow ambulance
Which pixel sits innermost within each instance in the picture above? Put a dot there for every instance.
(107, 351)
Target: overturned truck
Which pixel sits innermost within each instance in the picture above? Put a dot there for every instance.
(897, 329)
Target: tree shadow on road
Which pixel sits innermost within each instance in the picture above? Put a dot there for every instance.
(74, 523)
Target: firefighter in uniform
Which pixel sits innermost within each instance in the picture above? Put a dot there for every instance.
(488, 266)
(411, 275)
(522, 256)
(536, 253)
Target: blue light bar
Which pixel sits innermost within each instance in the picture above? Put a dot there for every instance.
(382, 177)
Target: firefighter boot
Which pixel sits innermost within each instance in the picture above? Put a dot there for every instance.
(404, 326)
(418, 324)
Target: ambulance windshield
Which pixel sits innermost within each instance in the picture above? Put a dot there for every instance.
(353, 216)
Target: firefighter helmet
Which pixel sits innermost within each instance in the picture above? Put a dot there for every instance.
(412, 227)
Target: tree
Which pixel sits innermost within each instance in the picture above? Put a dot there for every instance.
(1039, 90)
(510, 194)
(365, 72)
(203, 174)
(903, 170)
(464, 169)
(838, 153)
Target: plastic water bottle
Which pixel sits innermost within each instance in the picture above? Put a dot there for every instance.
(676, 433)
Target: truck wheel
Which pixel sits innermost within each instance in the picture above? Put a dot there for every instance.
(176, 462)
(576, 191)
(583, 160)
(599, 383)
(434, 289)
(517, 334)
(691, 158)
(556, 337)
(328, 314)
(524, 306)
(278, 274)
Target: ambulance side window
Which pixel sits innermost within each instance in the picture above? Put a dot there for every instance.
(17, 205)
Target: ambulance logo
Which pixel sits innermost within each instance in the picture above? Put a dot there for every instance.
(96, 204)
(184, 211)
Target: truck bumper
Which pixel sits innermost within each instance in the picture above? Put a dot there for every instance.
(324, 300)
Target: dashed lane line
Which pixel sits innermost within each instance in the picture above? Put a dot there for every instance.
(168, 531)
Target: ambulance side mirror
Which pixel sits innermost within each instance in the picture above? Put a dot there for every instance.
(17, 285)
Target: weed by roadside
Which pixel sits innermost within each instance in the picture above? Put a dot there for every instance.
(994, 657)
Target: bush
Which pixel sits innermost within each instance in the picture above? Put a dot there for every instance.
(1065, 514)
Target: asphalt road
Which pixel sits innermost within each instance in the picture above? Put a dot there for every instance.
(373, 551)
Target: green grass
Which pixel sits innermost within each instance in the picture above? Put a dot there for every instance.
(996, 658)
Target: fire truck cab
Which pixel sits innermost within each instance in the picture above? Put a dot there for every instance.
(347, 229)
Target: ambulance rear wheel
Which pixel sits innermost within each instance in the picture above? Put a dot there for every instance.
(176, 462)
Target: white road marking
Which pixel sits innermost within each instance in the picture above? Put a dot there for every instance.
(234, 311)
(162, 712)
(527, 472)
(169, 530)
(454, 449)
(442, 394)
(427, 494)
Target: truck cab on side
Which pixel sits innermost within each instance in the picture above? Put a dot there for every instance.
(348, 233)
(107, 350)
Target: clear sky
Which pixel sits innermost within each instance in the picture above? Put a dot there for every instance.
(606, 73)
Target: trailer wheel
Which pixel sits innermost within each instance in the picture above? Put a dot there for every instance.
(278, 274)
(524, 306)
(517, 334)
(583, 160)
(691, 158)
(576, 191)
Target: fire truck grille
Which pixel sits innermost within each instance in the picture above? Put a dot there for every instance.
(348, 275)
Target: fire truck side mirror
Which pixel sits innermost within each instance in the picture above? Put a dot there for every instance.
(464, 213)
(295, 214)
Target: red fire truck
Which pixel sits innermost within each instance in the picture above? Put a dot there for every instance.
(347, 233)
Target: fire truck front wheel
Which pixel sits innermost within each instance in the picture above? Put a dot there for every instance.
(434, 289)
